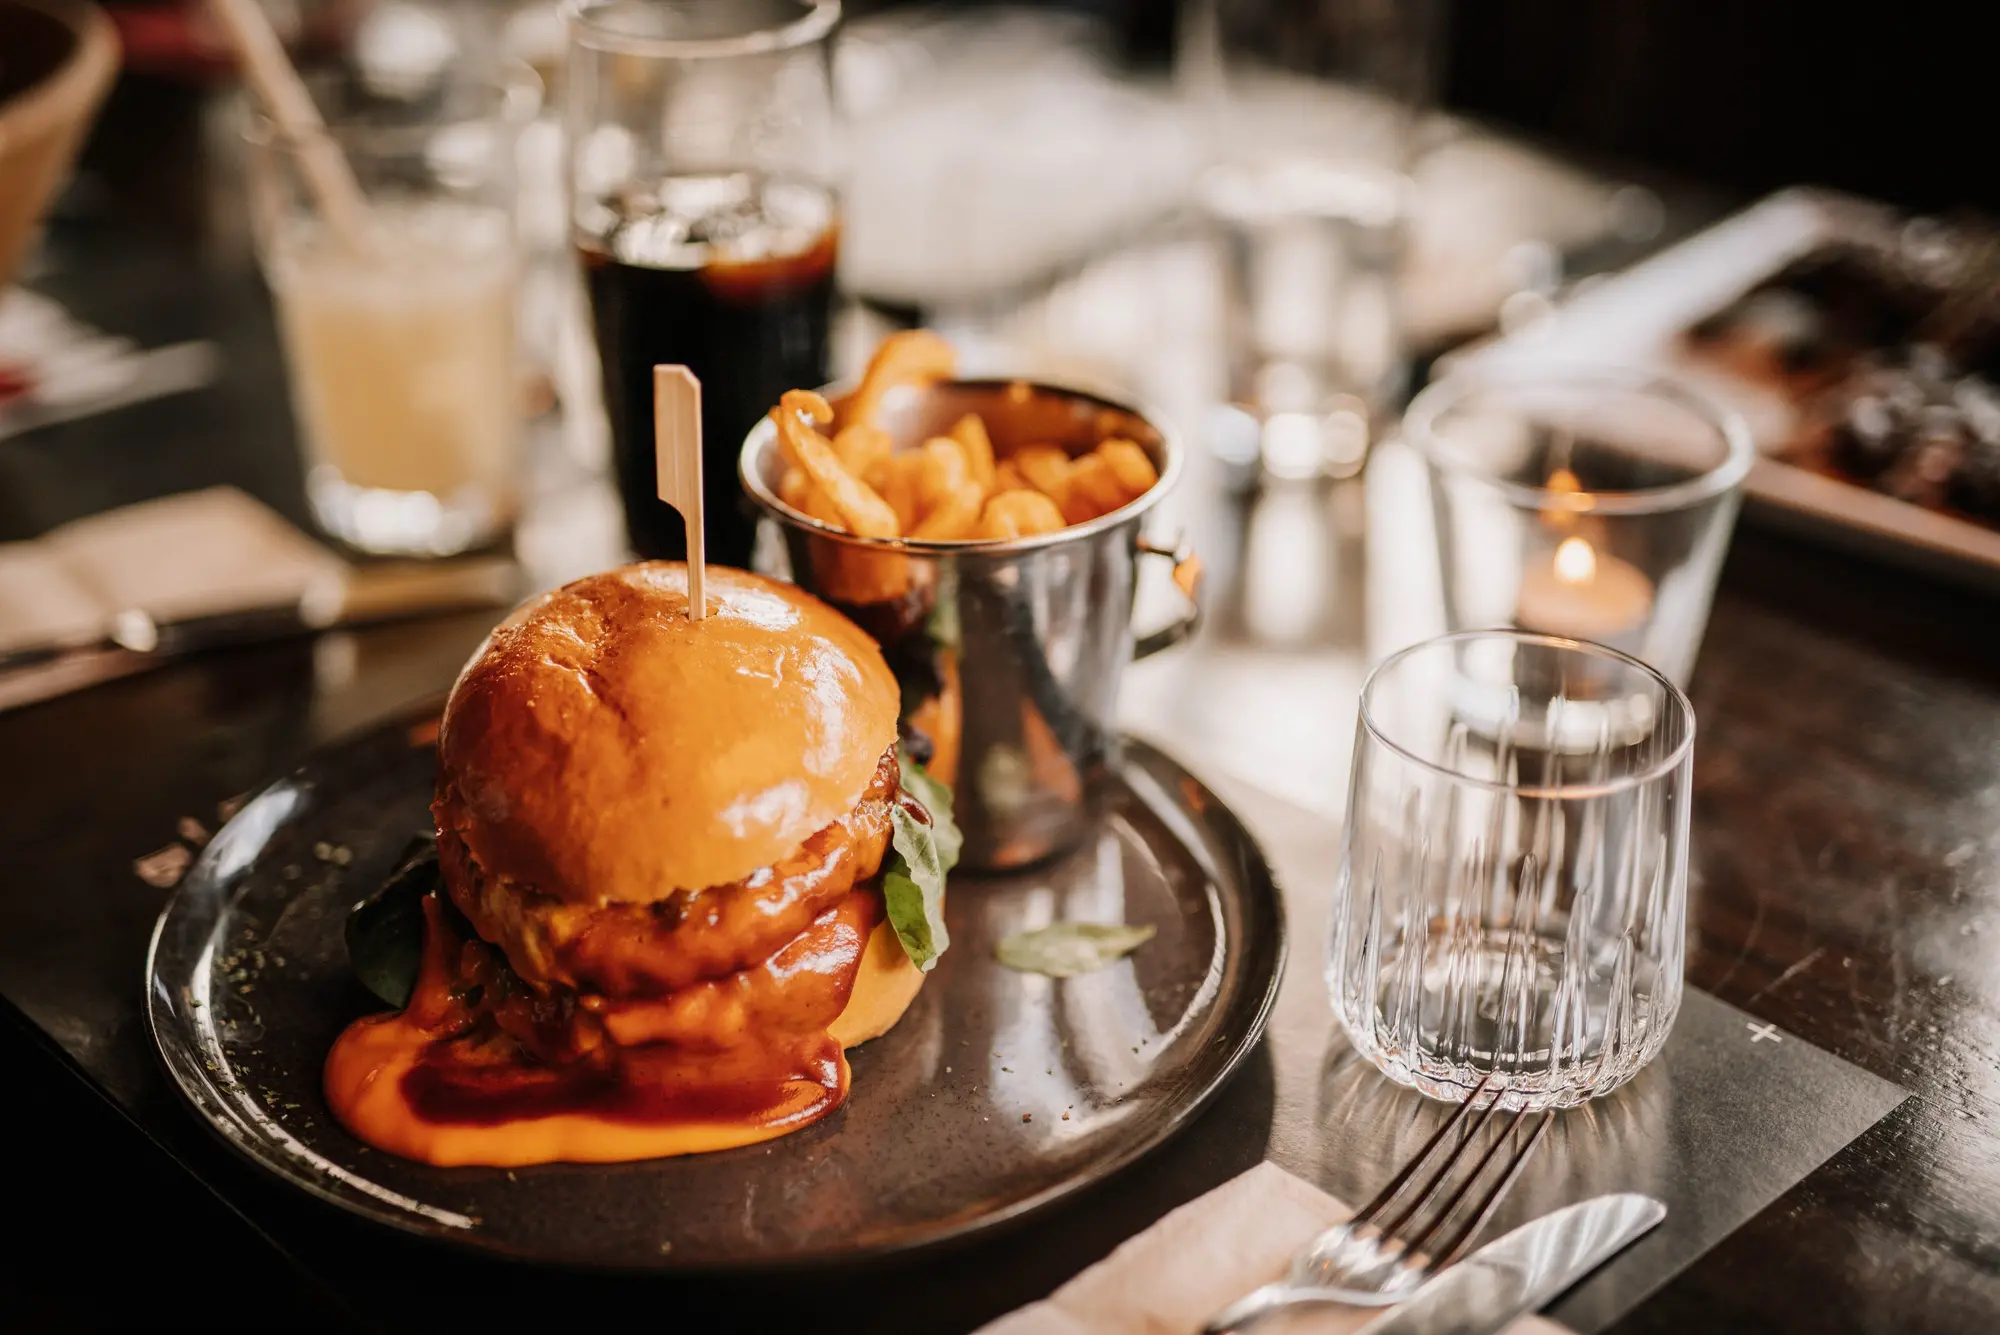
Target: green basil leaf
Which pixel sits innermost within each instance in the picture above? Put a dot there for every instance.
(385, 932)
(913, 889)
(1066, 949)
(936, 799)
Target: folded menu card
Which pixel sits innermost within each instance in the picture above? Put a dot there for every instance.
(1209, 1252)
(198, 554)
(93, 599)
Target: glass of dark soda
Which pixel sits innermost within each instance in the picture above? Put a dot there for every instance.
(701, 153)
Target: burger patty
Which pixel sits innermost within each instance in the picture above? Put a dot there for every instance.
(647, 950)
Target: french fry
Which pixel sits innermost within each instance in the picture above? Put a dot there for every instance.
(901, 477)
(943, 471)
(818, 505)
(950, 488)
(1130, 466)
(1093, 491)
(863, 512)
(791, 404)
(1019, 514)
(861, 447)
(970, 432)
(952, 517)
(798, 409)
(912, 357)
(794, 488)
(1046, 468)
(1101, 484)
(997, 525)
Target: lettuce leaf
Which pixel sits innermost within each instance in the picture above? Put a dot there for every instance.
(936, 797)
(385, 932)
(914, 874)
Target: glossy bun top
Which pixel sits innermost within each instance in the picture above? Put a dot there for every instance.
(601, 747)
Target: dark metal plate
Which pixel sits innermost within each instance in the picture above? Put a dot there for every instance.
(999, 1092)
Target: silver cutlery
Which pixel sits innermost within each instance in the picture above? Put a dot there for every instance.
(1521, 1271)
(1390, 1246)
(105, 373)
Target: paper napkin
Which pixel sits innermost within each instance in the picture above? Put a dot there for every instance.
(1209, 1252)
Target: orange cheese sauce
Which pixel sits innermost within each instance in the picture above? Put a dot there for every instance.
(454, 1078)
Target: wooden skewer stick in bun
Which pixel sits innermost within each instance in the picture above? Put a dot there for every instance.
(677, 460)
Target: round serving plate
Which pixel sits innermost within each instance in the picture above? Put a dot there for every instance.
(998, 1093)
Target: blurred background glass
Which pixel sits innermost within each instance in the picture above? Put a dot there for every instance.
(400, 343)
(1311, 114)
(702, 174)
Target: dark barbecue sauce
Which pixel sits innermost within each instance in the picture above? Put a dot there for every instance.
(442, 1087)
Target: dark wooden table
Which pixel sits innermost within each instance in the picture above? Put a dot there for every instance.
(1847, 888)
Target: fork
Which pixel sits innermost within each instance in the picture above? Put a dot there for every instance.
(1387, 1249)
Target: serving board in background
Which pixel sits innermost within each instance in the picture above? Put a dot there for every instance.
(1638, 318)
(998, 1092)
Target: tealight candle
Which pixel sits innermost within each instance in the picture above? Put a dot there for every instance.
(1584, 595)
(1543, 476)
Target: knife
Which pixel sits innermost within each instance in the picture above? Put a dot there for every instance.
(1523, 1270)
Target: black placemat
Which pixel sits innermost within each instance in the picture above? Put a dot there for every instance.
(1731, 1115)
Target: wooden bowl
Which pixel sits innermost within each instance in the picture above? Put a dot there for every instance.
(57, 59)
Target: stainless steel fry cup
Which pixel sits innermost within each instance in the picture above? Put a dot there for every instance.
(1009, 652)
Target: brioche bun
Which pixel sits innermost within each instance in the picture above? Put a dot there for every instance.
(603, 748)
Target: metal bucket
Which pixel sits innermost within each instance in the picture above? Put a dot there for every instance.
(1009, 652)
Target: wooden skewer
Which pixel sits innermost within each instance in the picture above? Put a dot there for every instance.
(677, 460)
(276, 82)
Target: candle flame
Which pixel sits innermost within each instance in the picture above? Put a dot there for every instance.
(1575, 562)
(1569, 500)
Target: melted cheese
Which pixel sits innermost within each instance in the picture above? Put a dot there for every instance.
(883, 989)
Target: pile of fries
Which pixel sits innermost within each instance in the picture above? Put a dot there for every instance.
(951, 488)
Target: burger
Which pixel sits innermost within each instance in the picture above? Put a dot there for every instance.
(682, 866)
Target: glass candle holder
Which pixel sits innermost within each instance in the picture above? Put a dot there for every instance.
(1589, 503)
(1512, 893)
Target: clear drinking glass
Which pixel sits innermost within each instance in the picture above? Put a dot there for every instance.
(1312, 112)
(1594, 503)
(702, 168)
(1512, 893)
(400, 342)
